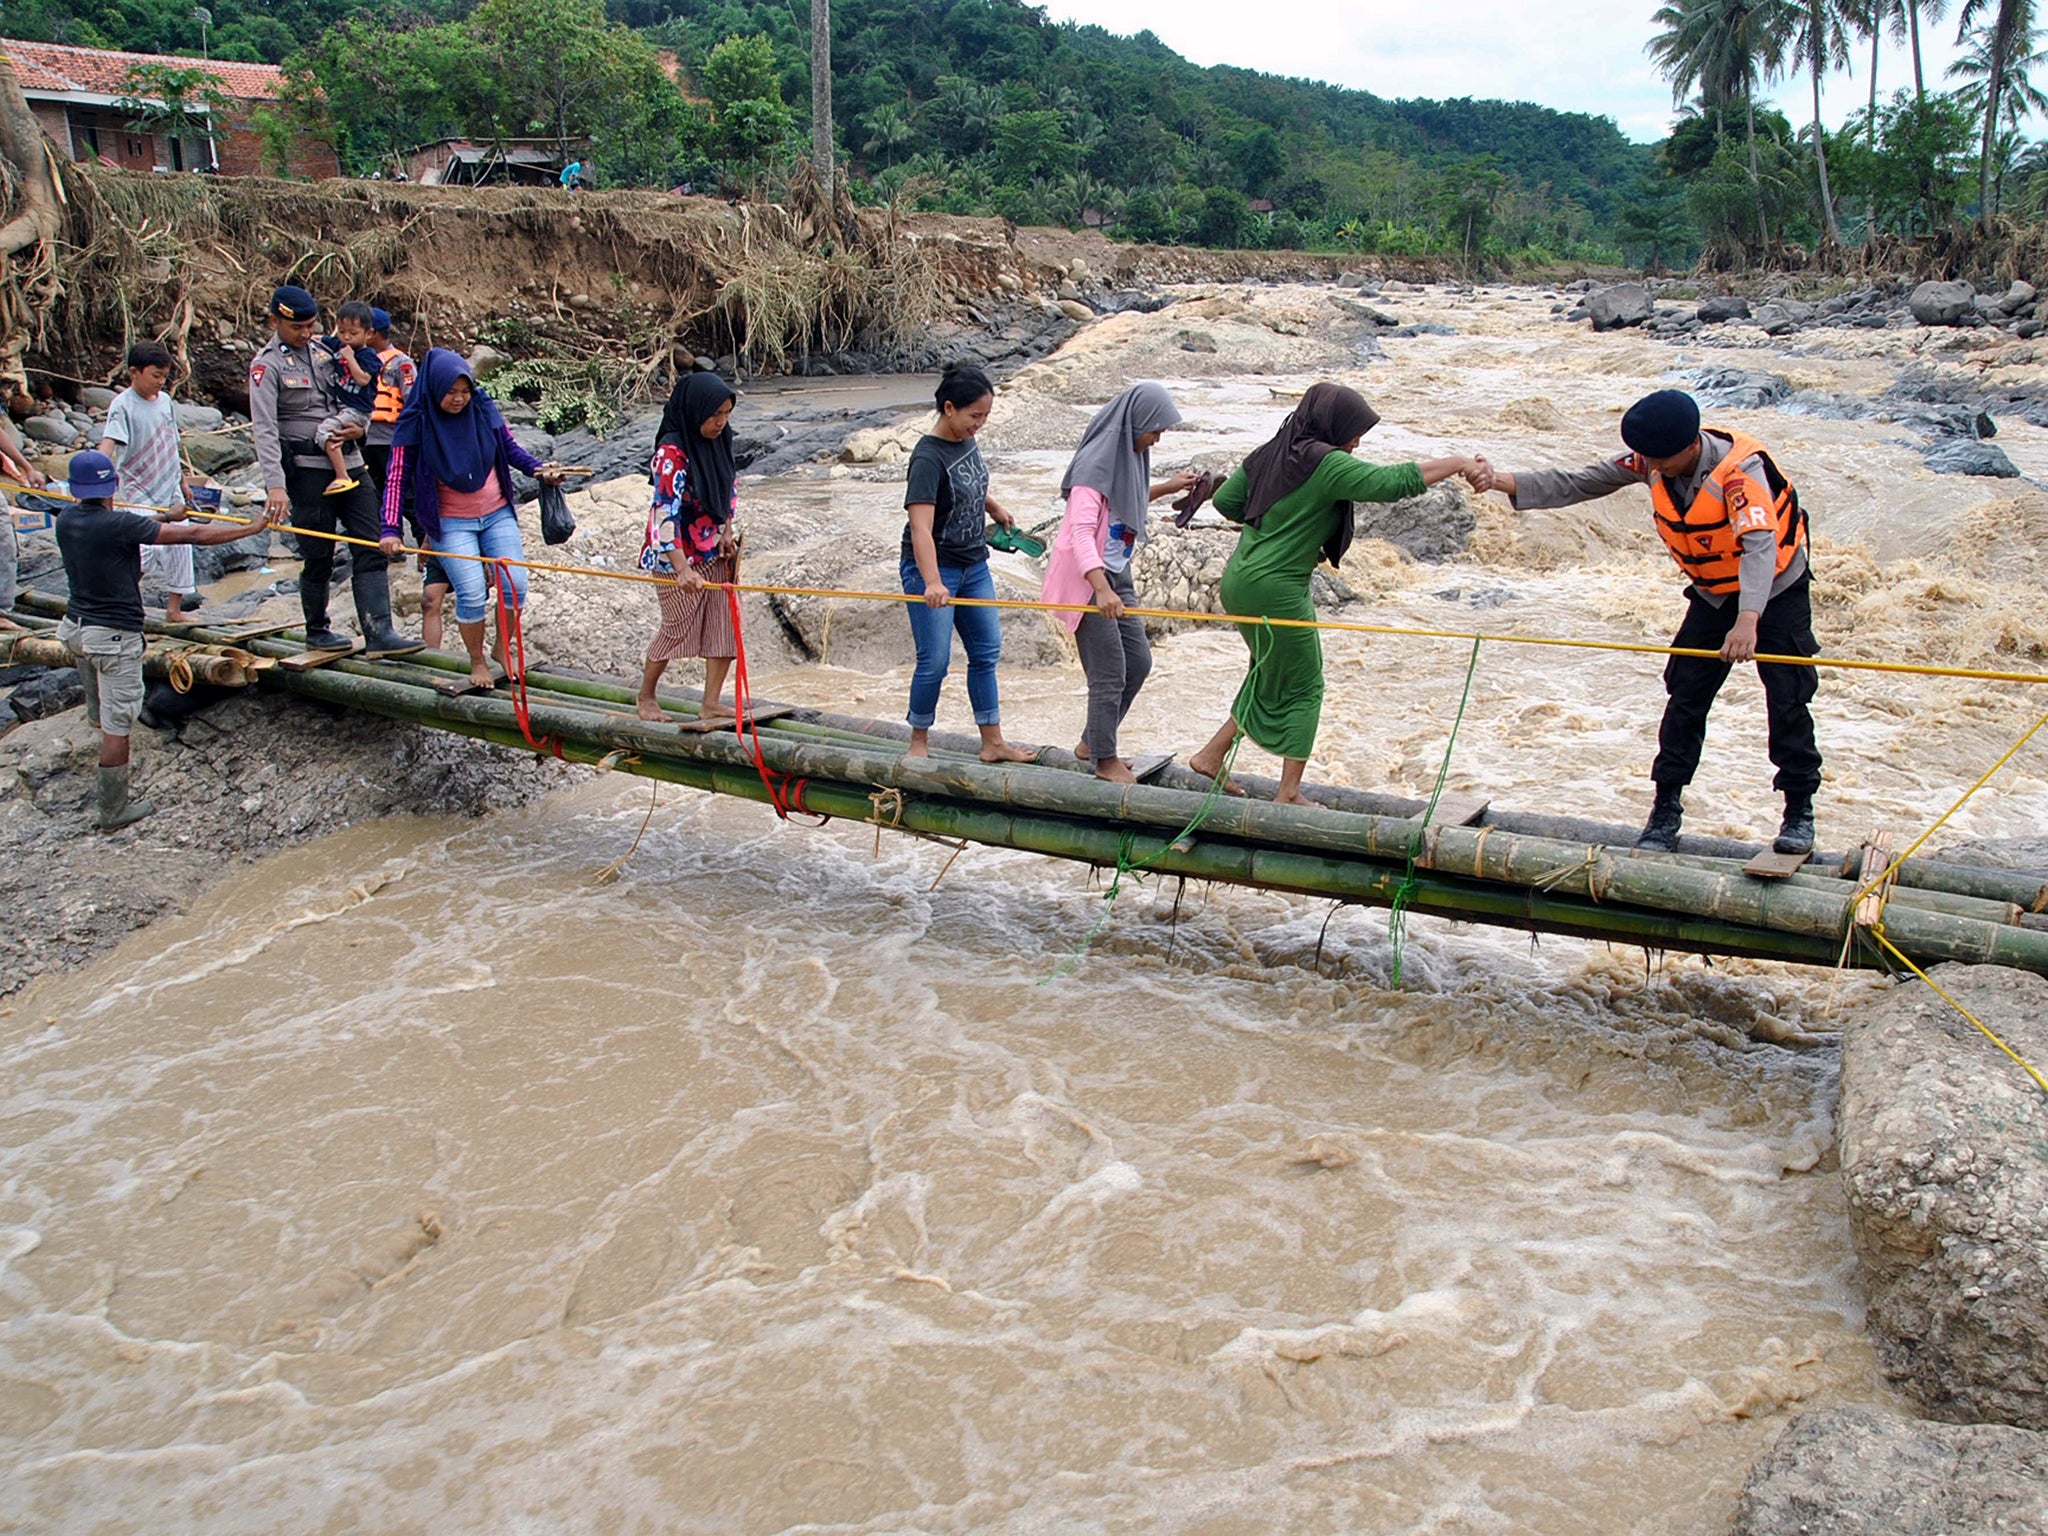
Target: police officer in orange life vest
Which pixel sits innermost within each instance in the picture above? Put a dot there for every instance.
(1733, 523)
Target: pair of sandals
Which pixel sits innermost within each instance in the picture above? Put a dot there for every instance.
(1206, 485)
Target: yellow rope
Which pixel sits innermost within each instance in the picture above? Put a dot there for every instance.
(1466, 637)
(1892, 868)
(2025, 1065)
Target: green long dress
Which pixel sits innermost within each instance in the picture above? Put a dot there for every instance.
(1281, 701)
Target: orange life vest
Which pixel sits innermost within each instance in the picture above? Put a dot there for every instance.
(390, 397)
(1706, 538)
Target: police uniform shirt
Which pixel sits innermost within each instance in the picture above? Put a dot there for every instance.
(291, 391)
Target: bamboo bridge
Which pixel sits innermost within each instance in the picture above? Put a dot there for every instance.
(1542, 874)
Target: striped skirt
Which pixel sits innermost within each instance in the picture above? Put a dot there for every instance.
(694, 623)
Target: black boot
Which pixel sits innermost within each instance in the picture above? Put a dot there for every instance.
(319, 637)
(1660, 832)
(373, 608)
(1795, 833)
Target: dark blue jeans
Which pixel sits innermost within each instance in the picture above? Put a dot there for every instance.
(932, 629)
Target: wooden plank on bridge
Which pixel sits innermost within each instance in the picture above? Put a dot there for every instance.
(761, 714)
(1454, 810)
(306, 661)
(1772, 865)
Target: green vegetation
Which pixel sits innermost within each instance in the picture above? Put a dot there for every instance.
(966, 106)
(1909, 165)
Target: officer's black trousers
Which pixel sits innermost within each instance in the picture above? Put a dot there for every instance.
(1785, 628)
(354, 513)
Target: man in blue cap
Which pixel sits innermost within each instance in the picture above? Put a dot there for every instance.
(292, 386)
(102, 546)
(1732, 521)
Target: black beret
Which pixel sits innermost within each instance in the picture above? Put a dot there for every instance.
(293, 303)
(1660, 425)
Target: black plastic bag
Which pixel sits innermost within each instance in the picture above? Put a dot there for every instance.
(556, 521)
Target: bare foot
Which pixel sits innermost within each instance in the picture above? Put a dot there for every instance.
(8, 625)
(715, 712)
(1291, 797)
(651, 710)
(480, 675)
(1117, 772)
(918, 749)
(1081, 752)
(1211, 769)
(1004, 752)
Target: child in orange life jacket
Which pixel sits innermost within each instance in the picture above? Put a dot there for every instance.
(1733, 523)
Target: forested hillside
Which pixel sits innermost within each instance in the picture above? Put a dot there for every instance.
(970, 106)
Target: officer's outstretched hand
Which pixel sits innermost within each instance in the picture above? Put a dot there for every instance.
(1741, 642)
(277, 506)
(389, 545)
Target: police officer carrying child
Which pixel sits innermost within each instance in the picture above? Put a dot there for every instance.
(291, 384)
(1732, 522)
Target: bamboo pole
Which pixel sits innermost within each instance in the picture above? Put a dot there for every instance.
(218, 667)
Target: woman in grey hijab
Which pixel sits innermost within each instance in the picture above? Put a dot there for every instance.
(1109, 491)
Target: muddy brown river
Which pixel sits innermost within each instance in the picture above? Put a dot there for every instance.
(419, 1182)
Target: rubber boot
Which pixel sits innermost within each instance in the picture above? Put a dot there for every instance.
(1660, 832)
(373, 609)
(116, 809)
(319, 637)
(1795, 833)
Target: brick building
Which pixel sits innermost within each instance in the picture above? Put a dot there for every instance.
(73, 92)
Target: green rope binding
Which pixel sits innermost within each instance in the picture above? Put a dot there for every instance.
(1397, 913)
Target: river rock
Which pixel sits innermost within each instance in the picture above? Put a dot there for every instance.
(197, 418)
(883, 445)
(96, 397)
(1194, 341)
(1936, 303)
(2018, 296)
(1966, 456)
(1941, 1137)
(1431, 527)
(54, 430)
(1739, 389)
(217, 453)
(1073, 309)
(1722, 308)
(1621, 305)
(1782, 316)
(486, 360)
(1871, 1472)
(48, 694)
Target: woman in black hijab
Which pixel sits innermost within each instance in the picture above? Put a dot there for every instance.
(1294, 498)
(691, 538)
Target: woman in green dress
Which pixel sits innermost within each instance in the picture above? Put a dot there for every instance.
(1293, 497)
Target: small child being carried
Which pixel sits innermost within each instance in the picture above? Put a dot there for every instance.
(355, 393)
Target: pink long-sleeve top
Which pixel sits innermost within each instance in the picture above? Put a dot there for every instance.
(1076, 550)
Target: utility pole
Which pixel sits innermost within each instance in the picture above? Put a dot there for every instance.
(821, 90)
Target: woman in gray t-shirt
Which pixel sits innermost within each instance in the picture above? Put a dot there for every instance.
(945, 556)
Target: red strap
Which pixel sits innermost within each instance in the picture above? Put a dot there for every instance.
(784, 800)
(515, 655)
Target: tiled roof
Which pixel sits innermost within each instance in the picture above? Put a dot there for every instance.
(54, 67)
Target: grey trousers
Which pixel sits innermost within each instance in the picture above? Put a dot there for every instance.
(1116, 658)
(10, 582)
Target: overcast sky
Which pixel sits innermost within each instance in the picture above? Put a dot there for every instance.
(1583, 57)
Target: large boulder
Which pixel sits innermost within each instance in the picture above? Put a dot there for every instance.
(217, 453)
(1942, 1139)
(1624, 304)
(1432, 527)
(1739, 389)
(197, 418)
(1780, 317)
(1722, 308)
(1967, 456)
(1942, 303)
(1869, 1472)
(51, 429)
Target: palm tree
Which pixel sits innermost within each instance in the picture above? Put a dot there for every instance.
(1872, 19)
(821, 89)
(1990, 60)
(1820, 41)
(888, 131)
(1933, 10)
(1997, 71)
(1726, 48)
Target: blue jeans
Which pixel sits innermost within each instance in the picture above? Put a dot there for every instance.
(495, 536)
(932, 629)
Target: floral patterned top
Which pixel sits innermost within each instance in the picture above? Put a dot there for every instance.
(677, 519)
